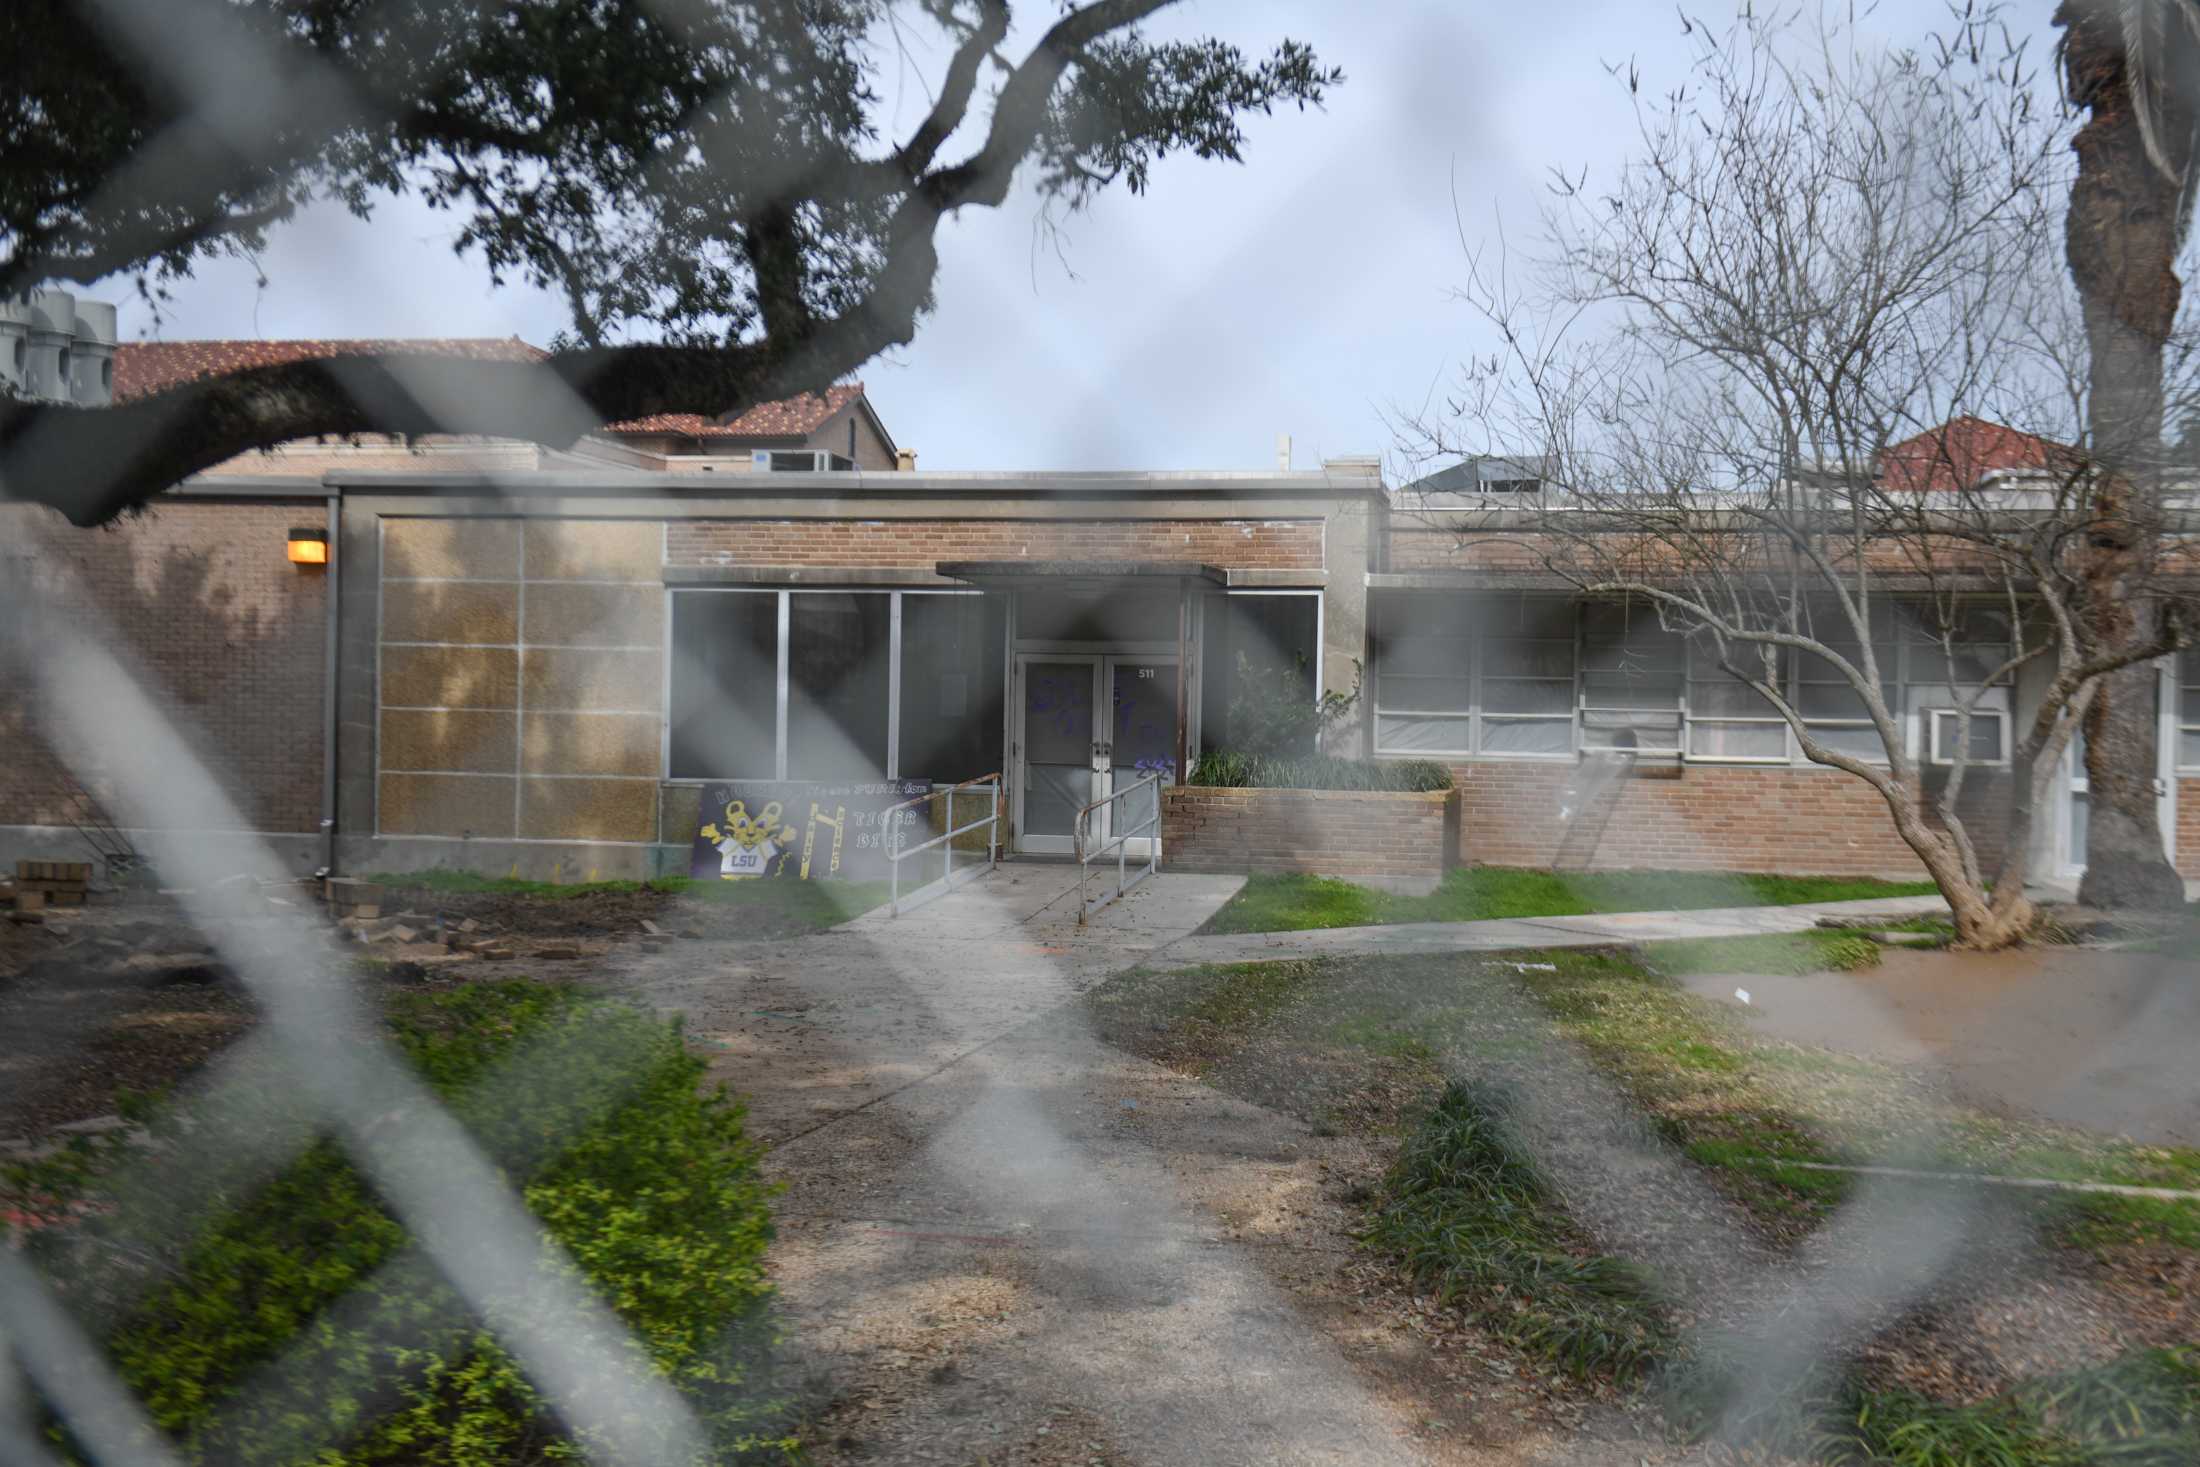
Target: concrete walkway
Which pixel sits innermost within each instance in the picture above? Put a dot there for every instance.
(1502, 933)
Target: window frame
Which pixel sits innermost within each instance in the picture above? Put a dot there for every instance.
(2185, 679)
(783, 670)
(1476, 715)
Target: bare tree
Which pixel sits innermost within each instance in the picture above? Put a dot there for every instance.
(1761, 378)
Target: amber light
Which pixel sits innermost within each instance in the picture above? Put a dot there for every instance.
(308, 547)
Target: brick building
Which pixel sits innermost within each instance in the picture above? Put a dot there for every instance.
(520, 658)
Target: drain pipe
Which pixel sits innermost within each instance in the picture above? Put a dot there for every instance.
(334, 583)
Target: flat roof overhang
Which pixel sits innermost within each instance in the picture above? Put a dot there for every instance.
(1062, 575)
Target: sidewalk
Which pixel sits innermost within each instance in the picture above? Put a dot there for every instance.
(1501, 933)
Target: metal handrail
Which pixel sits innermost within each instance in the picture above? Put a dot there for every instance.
(895, 855)
(1118, 845)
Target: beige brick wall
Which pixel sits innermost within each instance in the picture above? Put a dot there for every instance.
(1325, 832)
(229, 636)
(921, 544)
(528, 705)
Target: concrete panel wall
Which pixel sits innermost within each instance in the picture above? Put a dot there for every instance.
(521, 674)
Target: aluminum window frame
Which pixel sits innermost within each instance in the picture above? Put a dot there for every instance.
(2184, 678)
(783, 670)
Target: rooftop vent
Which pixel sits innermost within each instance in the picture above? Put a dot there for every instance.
(801, 461)
(56, 348)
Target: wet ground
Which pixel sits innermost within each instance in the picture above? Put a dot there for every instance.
(2106, 1041)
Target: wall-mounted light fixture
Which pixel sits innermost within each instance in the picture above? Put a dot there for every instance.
(308, 546)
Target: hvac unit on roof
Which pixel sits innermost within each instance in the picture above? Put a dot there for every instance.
(800, 461)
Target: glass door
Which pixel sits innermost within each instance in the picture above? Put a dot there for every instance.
(1060, 751)
(1142, 739)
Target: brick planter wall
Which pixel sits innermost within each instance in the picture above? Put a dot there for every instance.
(1324, 832)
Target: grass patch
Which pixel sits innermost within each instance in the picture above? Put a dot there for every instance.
(289, 1317)
(779, 907)
(1480, 893)
(1467, 1214)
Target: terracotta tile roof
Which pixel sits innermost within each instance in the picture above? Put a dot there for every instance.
(146, 367)
(790, 417)
(1962, 451)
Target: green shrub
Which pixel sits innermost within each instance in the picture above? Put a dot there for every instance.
(1466, 1211)
(301, 1323)
(1228, 769)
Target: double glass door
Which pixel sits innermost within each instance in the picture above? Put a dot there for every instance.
(1092, 724)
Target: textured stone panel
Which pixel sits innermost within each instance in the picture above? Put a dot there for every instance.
(595, 616)
(449, 611)
(458, 741)
(561, 679)
(482, 550)
(593, 743)
(474, 805)
(681, 806)
(588, 809)
(449, 677)
(595, 550)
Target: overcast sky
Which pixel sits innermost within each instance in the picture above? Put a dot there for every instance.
(1305, 291)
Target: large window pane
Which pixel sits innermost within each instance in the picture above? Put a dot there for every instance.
(1754, 741)
(1269, 638)
(952, 650)
(1651, 730)
(1527, 735)
(1400, 734)
(1629, 662)
(1525, 695)
(725, 650)
(836, 685)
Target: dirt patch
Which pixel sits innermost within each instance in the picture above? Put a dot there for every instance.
(104, 1000)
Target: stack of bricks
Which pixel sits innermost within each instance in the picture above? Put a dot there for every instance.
(1321, 832)
(42, 884)
(351, 898)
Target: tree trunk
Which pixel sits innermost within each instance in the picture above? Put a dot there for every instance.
(2121, 238)
(1981, 924)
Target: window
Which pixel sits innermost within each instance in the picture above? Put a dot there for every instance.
(951, 696)
(2188, 709)
(1940, 677)
(725, 685)
(802, 685)
(1728, 720)
(1831, 707)
(837, 658)
(1424, 686)
(1274, 636)
(1481, 675)
(1632, 670)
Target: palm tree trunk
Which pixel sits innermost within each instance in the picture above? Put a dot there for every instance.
(2121, 239)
